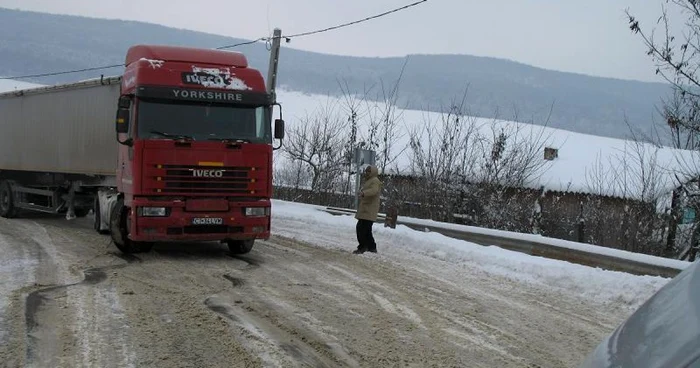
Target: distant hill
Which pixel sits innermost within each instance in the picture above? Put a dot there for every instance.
(38, 43)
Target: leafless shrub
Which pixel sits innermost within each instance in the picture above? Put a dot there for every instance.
(317, 142)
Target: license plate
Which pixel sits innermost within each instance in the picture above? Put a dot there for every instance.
(207, 221)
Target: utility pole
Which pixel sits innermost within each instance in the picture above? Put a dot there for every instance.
(274, 61)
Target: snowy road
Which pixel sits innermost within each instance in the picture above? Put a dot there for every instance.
(68, 299)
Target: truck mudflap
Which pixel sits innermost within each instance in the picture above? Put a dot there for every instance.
(104, 203)
(173, 221)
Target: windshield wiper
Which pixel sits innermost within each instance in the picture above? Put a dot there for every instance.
(230, 140)
(172, 136)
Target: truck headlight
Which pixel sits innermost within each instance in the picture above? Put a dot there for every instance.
(257, 211)
(152, 211)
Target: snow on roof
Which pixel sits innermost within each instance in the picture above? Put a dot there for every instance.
(9, 85)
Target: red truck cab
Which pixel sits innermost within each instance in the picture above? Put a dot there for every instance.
(195, 152)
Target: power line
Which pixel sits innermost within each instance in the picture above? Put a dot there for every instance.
(243, 43)
(63, 72)
(289, 37)
(356, 21)
(266, 39)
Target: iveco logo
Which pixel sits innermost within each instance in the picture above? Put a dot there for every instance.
(207, 173)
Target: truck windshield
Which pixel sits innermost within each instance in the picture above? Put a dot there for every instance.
(202, 121)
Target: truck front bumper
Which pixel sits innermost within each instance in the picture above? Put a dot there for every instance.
(180, 224)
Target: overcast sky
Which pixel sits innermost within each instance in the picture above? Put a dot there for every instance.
(589, 37)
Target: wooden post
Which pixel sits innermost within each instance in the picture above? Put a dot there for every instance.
(392, 214)
(673, 221)
(581, 238)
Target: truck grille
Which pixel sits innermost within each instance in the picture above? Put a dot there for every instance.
(198, 179)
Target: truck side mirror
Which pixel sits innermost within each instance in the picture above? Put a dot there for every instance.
(123, 120)
(279, 129)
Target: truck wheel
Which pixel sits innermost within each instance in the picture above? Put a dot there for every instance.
(97, 223)
(118, 226)
(240, 246)
(7, 202)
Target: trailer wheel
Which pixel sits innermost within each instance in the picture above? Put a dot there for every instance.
(118, 226)
(240, 246)
(7, 202)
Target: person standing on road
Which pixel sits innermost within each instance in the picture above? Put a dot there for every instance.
(367, 210)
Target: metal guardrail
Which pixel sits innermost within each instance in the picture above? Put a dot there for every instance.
(541, 249)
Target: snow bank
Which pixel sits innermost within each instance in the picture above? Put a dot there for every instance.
(307, 223)
(637, 257)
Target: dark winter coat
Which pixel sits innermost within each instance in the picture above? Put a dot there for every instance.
(369, 196)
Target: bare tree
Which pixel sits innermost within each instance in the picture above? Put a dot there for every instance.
(676, 53)
(482, 165)
(601, 177)
(677, 57)
(511, 160)
(389, 129)
(441, 156)
(380, 120)
(439, 145)
(638, 181)
(513, 154)
(317, 141)
(291, 175)
(374, 123)
(354, 108)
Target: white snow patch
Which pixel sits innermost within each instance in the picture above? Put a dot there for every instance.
(469, 340)
(128, 82)
(220, 78)
(8, 85)
(155, 64)
(397, 309)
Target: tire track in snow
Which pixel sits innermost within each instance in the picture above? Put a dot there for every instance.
(44, 335)
(104, 331)
(276, 346)
(16, 271)
(27, 265)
